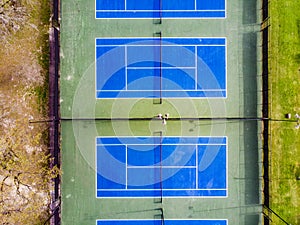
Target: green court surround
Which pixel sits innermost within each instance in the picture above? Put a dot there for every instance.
(84, 117)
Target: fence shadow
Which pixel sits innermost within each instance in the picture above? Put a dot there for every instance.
(250, 74)
(249, 11)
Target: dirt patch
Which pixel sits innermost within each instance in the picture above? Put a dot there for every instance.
(24, 167)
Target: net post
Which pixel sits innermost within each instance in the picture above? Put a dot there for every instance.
(162, 216)
(160, 13)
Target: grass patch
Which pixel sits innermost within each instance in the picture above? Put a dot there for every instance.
(41, 93)
(42, 14)
(284, 80)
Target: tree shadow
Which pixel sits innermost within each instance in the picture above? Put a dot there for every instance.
(297, 58)
(298, 28)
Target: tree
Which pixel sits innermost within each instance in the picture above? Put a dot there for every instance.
(24, 176)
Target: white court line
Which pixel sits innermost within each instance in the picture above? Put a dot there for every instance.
(156, 137)
(193, 167)
(156, 10)
(168, 197)
(126, 68)
(162, 144)
(169, 18)
(167, 45)
(227, 165)
(196, 68)
(95, 76)
(226, 61)
(140, 68)
(181, 98)
(197, 167)
(163, 167)
(192, 138)
(166, 38)
(135, 220)
(163, 45)
(185, 90)
(158, 189)
(96, 166)
(126, 172)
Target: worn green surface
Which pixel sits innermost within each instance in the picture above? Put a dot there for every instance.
(79, 28)
(80, 205)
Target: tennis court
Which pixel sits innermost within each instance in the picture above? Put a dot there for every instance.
(160, 9)
(161, 67)
(161, 167)
(158, 222)
(123, 160)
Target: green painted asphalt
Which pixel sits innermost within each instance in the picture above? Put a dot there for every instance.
(79, 108)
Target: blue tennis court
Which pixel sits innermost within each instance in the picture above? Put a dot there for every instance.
(161, 68)
(156, 167)
(160, 9)
(159, 222)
